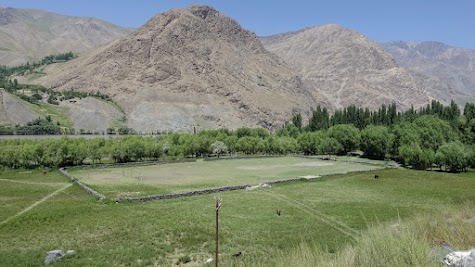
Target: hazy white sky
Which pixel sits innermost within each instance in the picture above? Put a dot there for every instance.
(450, 22)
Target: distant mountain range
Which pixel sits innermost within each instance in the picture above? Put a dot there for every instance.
(30, 34)
(453, 65)
(196, 68)
(343, 67)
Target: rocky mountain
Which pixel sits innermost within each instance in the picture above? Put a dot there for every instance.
(188, 68)
(452, 65)
(29, 34)
(343, 67)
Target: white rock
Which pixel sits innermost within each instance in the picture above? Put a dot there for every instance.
(53, 256)
(460, 259)
(209, 260)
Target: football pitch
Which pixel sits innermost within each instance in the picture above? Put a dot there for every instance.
(199, 175)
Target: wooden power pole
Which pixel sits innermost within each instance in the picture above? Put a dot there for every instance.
(219, 202)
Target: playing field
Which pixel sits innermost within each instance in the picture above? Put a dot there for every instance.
(183, 177)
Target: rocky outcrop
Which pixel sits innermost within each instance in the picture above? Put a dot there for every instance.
(189, 68)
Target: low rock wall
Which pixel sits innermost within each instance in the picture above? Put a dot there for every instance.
(85, 187)
(201, 192)
(244, 157)
(179, 195)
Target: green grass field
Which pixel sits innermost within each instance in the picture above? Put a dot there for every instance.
(330, 214)
(183, 177)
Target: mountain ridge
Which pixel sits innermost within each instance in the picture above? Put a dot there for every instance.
(187, 68)
(347, 68)
(30, 34)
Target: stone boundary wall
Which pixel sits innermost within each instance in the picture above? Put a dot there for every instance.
(244, 157)
(203, 192)
(85, 187)
(179, 195)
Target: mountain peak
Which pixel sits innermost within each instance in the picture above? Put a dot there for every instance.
(7, 16)
(202, 11)
(189, 67)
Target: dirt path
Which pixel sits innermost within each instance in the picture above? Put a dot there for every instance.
(338, 225)
(36, 203)
(26, 182)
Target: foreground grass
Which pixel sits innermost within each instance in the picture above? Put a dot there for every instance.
(19, 189)
(330, 215)
(415, 242)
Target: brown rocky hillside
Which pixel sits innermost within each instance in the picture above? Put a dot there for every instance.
(188, 68)
(347, 68)
(13, 111)
(453, 65)
(30, 34)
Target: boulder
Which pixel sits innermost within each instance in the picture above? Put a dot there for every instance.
(53, 256)
(460, 259)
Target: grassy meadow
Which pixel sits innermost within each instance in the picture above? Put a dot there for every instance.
(329, 215)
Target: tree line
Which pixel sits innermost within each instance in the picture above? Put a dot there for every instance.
(38, 126)
(386, 115)
(426, 141)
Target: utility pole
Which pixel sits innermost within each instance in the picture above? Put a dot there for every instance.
(219, 202)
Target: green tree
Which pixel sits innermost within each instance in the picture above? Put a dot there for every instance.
(375, 141)
(231, 143)
(433, 132)
(416, 157)
(347, 135)
(452, 156)
(288, 130)
(308, 142)
(330, 146)
(297, 121)
(247, 144)
(219, 148)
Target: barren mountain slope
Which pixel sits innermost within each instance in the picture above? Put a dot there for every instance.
(453, 65)
(13, 111)
(91, 114)
(188, 68)
(347, 68)
(29, 34)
